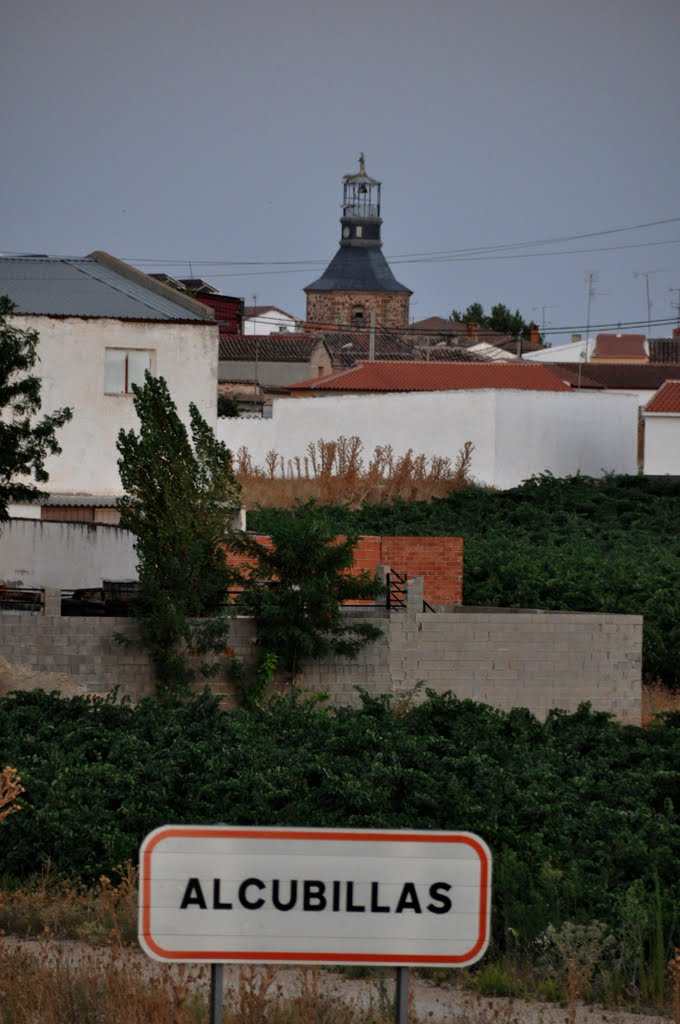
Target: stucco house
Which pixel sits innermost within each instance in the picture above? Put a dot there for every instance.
(254, 368)
(268, 320)
(662, 431)
(101, 325)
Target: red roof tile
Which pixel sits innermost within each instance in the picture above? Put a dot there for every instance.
(423, 376)
(577, 375)
(667, 398)
(285, 347)
(631, 375)
(620, 346)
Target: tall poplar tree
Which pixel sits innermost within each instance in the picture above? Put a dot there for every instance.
(181, 494)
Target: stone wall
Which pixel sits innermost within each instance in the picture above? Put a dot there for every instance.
(505, 658)
(331, 308)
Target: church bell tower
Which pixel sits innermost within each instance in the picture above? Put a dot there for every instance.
(358, 280)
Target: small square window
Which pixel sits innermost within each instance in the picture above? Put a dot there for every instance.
(123, 368)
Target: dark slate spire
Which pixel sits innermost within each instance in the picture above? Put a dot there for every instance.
(359, 264)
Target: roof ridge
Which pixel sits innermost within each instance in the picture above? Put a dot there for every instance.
(151, 284)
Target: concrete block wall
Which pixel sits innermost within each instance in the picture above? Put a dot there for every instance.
(72, 654)
(539, 660)
(533, 659)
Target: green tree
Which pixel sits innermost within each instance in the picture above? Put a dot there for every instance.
(25, 443)
(227, 407)
(500, 319)
(295, 589)
(181, 493)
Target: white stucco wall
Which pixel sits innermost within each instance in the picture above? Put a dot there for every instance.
(64, 555)
(270, 322)
(572, 352)
(71, 366)
(564, 433)
(662, 444)
(516, 434)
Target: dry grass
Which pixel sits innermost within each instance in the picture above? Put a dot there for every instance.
(52, 908)
(10, 789)
(50, 984)
(656, 699)
(47, 978)
(335, 472)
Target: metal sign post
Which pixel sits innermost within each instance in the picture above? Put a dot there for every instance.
(401, 998)
(216, 992)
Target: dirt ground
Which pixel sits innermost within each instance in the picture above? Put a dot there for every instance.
(429, 1003)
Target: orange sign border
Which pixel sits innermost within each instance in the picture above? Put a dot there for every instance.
(365, 835)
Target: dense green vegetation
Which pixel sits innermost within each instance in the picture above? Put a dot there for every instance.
(574, 544)
(582, 814)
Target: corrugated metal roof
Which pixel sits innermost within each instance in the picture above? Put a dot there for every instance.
(667, 398)
(424, 376)
(55, 286)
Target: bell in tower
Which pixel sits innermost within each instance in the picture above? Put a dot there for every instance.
(358, 280)
(360, 219)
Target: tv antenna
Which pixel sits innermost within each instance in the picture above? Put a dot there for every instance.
(647, 274)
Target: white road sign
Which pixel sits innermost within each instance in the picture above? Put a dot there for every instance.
(314, 896)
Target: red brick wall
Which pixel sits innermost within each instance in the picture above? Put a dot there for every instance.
(439, 560)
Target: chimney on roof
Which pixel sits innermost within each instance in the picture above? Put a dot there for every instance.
(534, 333)
(472, 330)
(575, 338)
(676, 332)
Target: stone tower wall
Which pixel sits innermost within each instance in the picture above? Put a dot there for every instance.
(391, 308)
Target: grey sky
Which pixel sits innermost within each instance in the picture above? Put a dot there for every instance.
(160, 130)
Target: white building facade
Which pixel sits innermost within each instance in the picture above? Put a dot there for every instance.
(101, 325)
(516, 434)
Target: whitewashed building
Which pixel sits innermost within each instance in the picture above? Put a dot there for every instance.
(662, 431)
(101, 324)
(268, 320)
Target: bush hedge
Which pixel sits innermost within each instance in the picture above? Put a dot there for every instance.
(582, 814)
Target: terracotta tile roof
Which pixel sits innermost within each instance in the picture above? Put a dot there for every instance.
(620, 346)
(667, 398)
(631, 375)
(347, 348)
(664, 350)
(569, 373)
(387, 375)
(276, 348)
(438, 325)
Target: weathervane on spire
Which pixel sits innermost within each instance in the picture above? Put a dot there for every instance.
(362, 164)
